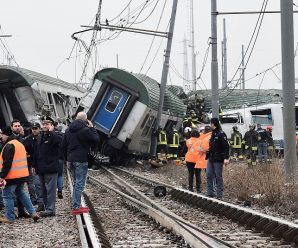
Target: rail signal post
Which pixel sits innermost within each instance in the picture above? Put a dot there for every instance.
(288, 87)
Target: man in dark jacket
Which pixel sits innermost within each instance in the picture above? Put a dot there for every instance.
(217, 157)
(34, 182)
(46, 164)
(76, 144)
(14, 172)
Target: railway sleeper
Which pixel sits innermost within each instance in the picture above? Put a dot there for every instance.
(280, 230)
(290, 235)
(243, 218)
(237, 215)
(252, 220)
(259, 225)
(219, 208)
(230, 213)
(270, 227)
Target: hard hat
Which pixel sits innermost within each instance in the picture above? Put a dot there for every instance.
(187, 130)
(235, 128)
(202, 129)
(195, 133)
(269, 128)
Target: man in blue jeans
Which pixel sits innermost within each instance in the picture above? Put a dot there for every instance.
(218, 156)
(14, 173)
(76, 144)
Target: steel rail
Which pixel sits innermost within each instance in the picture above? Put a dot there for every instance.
(279, 228)
(194, 236)
(87, 232)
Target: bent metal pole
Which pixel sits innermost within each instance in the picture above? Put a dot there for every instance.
(164, 76)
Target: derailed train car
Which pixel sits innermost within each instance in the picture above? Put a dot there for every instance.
(27, 95)
(123, 107)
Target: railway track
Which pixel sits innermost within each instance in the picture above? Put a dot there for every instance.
(244, 228)
(142, 222)
(88, 234)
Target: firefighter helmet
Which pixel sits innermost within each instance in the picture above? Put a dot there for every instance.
(235, 128)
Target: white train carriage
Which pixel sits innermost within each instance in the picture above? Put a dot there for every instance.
(266, 115)
(26, 95)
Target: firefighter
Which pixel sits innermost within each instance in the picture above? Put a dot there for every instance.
(235, 142)
(173, 143)
(270, 144)
(194, 118)
(263, 144)
(161, 145)
(250, 142)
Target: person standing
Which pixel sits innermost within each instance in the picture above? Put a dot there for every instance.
(236, 144)
(14, 172)
(203, 147)
(250, 141)
(34, 182)
(76, 144)
(46, 164)
(262, 144)
(218, 156)
(191, 158)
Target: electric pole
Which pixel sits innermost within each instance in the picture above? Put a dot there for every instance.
(185, 66)
(224, 55)
(192, 45)
(164, 76)
(288, 87)
(214, 62)
(243, 69)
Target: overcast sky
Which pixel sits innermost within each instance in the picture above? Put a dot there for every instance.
(41, 39)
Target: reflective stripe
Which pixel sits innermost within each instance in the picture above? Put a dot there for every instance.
(19, 167)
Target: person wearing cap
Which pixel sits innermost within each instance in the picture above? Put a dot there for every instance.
(14, 171)
(77, 142)
(34, 182)
(46, 164)
(218, 156)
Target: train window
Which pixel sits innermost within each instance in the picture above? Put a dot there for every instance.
(148, 126)
(263, 117)
(152, 127)
(113, 101)
(144, 121)
(231, 118)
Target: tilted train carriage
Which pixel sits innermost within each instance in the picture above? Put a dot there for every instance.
(123, 107)
(26, 95)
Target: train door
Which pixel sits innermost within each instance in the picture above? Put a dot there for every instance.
(110, 109)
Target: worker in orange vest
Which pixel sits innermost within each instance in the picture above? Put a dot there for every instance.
(14, 172)
(191, 158)
(202, 147)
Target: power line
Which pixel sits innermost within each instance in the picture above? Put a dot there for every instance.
(152, 41)
(256, 30)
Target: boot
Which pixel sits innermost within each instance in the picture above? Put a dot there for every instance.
(40, 208)
(60, 195)
(35, 217)
(3, 219)
(23, 214)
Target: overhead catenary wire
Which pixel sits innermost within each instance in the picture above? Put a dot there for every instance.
(153, 38)
(256, 30)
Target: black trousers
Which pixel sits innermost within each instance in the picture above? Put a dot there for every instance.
(191, 173)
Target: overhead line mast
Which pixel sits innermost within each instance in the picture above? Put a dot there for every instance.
(91, 47)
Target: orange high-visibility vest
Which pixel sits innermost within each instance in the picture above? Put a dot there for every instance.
(19, 166)
(203, 147)
(192, 154)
